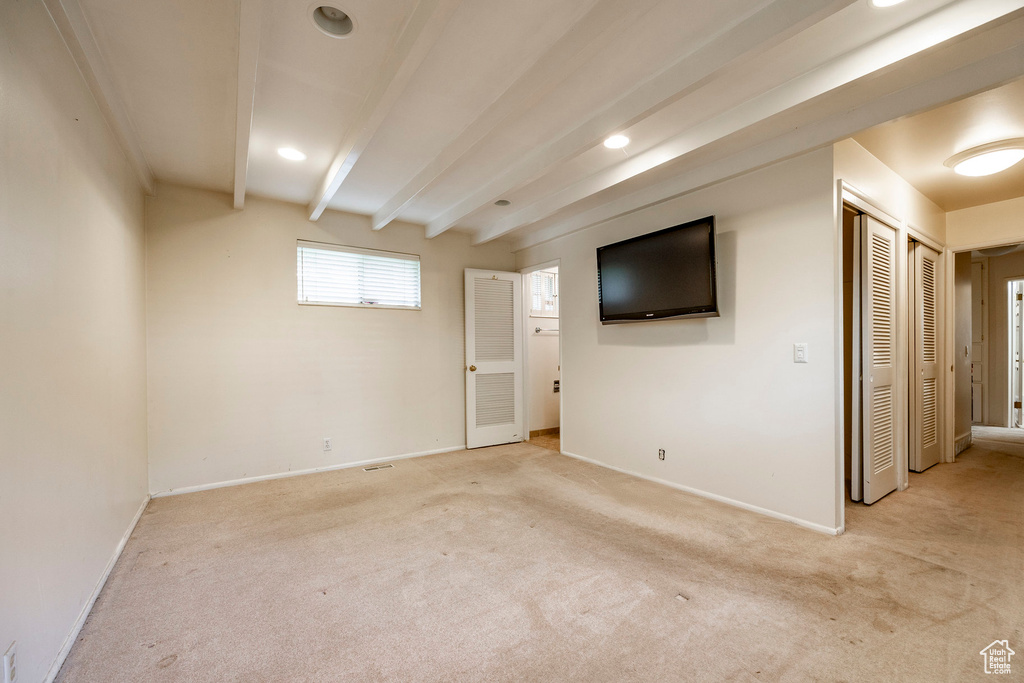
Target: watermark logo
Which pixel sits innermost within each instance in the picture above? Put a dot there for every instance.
(997, 657)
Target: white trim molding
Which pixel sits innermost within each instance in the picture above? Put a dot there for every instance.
(299, 473)
(963, 442)
(820, 528)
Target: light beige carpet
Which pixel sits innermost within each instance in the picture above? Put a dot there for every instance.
(515, 563)
(1002, 439)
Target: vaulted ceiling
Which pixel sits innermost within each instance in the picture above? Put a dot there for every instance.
(429, 111)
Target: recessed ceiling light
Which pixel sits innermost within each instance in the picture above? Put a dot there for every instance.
(616, 142)
(331, 21)
(885, 3)
(291, 154)
(502, 202)
(988, 159)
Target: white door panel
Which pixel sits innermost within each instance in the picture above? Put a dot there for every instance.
(494, 358)
(926, 375)
(878, 344)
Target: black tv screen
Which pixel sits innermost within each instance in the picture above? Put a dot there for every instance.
(665, 274)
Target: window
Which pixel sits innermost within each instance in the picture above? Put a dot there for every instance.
(349, 276)
(543, 294)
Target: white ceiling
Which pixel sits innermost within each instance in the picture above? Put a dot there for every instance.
(917, 147)
(433, 109)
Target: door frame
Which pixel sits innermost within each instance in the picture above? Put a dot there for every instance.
(555, 263)
(849, 194)
(1009, 350)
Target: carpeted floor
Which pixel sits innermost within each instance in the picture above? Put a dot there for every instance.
(1002, 439)
(516, 563)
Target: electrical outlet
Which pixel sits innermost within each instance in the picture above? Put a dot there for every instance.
(11, 665)
(661, 454)
(799, 353)
(327, 444)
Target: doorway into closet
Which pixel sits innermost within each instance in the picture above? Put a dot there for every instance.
(893, 349)
(543, 356)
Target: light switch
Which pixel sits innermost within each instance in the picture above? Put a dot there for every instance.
(799, 353)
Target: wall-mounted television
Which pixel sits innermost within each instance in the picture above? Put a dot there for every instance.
(665, 274)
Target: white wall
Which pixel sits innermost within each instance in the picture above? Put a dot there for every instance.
(722, 396)
(987, 225)
(245, 382)
(541, 372)
(888, 191)
(72, 384)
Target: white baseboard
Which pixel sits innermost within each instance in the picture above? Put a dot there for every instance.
(299, 473)
(963, 442)
(80, 622)
(831, 531)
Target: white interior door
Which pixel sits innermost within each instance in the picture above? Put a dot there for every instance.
(878, 345)
(494, 358)
(926, 375)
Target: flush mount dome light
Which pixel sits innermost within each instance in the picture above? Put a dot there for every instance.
(885, 3)
(291, 154)
(616, 142)
(987, 159)
(502, 202)
(331, 21)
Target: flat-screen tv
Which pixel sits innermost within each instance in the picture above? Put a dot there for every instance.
(664, 274)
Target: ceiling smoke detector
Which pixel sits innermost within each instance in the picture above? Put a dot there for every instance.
(988, 159)
(331, 21)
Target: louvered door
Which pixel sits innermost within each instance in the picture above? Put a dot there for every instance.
(878, 346)
(494, 358)
(926, 375)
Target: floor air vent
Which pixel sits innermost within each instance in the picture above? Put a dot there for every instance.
(377, 467)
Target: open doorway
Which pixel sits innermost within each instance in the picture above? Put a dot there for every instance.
(990, 287)
(543, 356)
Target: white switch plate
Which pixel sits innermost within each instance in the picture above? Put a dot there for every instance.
(799, 353)
(10, 665)
(327, 444)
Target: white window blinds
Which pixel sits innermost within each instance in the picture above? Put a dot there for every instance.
(349, 276)
(544, 294)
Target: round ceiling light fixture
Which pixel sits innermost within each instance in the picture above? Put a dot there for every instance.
(502, 202)
(616, 142)
(885, 3)
(987, 159)
(992, 252)
(331, 21)
(291, 154)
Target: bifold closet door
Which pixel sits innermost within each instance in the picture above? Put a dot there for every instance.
(926, 354)
(494, 358)
(878, 358)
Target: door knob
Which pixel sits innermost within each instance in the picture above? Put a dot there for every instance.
(472, 368)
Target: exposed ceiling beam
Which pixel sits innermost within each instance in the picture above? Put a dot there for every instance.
(749, 36)
(250, 21)
(418, 36)
(74, 29)
(997, 58)
(586, 38)
(929, 31)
